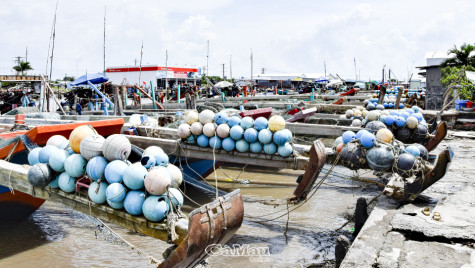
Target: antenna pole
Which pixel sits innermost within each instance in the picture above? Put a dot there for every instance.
(207, 59)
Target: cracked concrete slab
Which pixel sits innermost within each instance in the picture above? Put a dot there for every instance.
(401, 236)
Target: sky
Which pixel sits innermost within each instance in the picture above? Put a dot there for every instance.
(284, 36)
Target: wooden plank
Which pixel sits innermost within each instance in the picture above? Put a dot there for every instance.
(15, 176)
(318, 130)
(172, 147)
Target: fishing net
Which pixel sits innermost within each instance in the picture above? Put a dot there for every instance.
(22, 110)
(48, 116)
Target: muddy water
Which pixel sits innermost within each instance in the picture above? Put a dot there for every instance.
(55, 236)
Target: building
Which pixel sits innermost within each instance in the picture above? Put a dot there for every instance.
(285, 80)
(432, 72)
(158, 75)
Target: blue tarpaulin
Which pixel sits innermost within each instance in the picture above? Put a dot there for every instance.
(93, 78)
(322, 79)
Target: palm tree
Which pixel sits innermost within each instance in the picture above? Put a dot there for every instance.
(461, 56)
(23, 67)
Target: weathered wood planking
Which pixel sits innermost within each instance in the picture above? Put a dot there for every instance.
(15, 176)
(172, 147)
(305, 96)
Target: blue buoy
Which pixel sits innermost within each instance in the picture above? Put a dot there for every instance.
(115, 171)
(176, 196)
(242, 146)
(256, 147)
(115, 192)
(228, 144)
(401, 105)
(148, 161)
(260, 123)
(221, 118)
(116, 205)
(191, 139)
(75, 165)
(285, 150)
(282, 136)
(400, 121)
(96, 195)
(414, 150)
(155, 208)
(394, 113)
(203, 141)
(405, 114)
(96, 167)
(348, 136)
(134, 176)
(33, 156)
(133, 202)
(409, 111)
(215, 142)
(360, 133)
(161, 159)
(389, 120)
(367, 140)
(246, 122)
(270, 148)
(234, 121)
(416, 115)
(46, 152)
(54, 183)
(56, 161)
(250, 135)
(265, 136)
(67, 183)
(390, 105)
(236, 133)
(386, 105)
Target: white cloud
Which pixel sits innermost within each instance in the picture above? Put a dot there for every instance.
(285, 36)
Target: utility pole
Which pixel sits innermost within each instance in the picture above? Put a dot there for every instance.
(263, 70)
(105, 39)
(325, 67)
(252, 59)
(223, 71)
(26, 54)
(166, 75)
(18, 61)
(230, 67)
(207, 59)
(356, 76)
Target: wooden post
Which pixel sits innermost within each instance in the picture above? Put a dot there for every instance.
(116, 96)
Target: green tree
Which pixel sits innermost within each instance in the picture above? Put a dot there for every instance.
(23, 67)
(454, 77)
(461, 57)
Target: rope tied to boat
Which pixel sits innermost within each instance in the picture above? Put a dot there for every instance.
(173, 216)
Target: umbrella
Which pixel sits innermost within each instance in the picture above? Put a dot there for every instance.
(322, 79)
(93, 78)
(223, 84)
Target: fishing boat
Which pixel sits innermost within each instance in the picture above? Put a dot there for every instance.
(213, 223)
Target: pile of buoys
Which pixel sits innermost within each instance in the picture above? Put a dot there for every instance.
(407, 125)
(114, 180)
(380, 152)
(221, 132)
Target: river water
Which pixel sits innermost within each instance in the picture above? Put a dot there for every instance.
(56, 236)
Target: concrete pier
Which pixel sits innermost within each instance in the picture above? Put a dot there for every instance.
(398, 235)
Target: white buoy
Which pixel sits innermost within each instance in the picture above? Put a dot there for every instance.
(91, 146)
(209, 129)
(56, 140)
(206, 116)
(184, 131)
(223, 131)
(177, 176)
(197, 128)
(191, 117)
(116, 147)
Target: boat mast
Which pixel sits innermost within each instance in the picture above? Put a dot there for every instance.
(140, 66)
(207, 59)
(252, 62)
(166, 74)
(51, 62)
